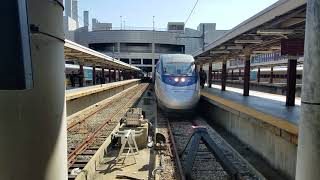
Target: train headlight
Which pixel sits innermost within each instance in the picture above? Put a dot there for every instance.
(183, 79)
(176, 79)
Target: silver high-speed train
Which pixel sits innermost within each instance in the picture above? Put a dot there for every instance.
(177, 84)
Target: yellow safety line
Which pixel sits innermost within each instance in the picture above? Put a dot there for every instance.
(278, 122)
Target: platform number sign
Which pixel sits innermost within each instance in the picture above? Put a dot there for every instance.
(15, 61)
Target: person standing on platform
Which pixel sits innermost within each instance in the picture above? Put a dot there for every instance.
(203, 77)
(80, 77)
(72, 79)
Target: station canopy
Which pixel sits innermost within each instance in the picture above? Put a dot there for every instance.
(88, 57)
(280, 27)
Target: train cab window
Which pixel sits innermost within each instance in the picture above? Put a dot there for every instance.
(178, 68)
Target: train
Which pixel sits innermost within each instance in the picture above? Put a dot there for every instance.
(177, 85)
(279, 75)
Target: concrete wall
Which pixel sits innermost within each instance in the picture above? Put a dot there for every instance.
(275, 145)
(77, 104)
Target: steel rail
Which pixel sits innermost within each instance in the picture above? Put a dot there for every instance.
(175, 153)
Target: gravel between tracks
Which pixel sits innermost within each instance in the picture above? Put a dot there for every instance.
(206, 165)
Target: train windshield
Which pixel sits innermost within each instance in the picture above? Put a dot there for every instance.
(178, 68)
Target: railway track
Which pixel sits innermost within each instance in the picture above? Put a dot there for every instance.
(88, 134)
(206, 165)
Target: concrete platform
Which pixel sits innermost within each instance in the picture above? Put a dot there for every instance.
(81, 98)
(261, 121)
(139, 170)
(263, 86)
(271, 104)
(84, 91)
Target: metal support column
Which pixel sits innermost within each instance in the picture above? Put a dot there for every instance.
(271, 75)
(110, 75)
(224, 76)
(81, 76)
(239, 73)
(291, 82)
(210, 75)
(115, 75)
(33, 132)
(232, 75)
(258, 75)
(103, 77)
(94, 76)
(246, 77)
(308, 159)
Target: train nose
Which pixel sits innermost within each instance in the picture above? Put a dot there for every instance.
(181, 98)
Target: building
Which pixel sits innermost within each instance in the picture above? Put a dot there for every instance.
(70, 19)
(139, 47)
(142, 48)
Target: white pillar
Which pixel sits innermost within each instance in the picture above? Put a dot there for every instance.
(33, 137)
(308, 160)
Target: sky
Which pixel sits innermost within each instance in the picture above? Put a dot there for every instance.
(139, 13)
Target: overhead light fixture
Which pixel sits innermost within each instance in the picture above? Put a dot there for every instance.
(219, 52)
(254, 41)
(261, 52)
(239, 47)
(276, 32)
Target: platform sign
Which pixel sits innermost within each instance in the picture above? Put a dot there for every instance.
(15, 63)
(292, 47)
(253, 75)
(87, 74)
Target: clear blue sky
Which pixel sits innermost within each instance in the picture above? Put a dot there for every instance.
(138, 13)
